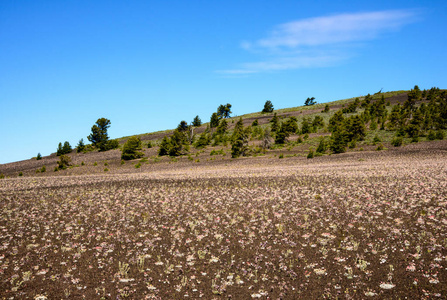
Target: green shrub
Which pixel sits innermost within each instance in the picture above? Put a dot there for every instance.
(311, 153)
(95, 163)
(149, 144)
(20, 174)
(130, 149)
(138, 165)
(281, 156)
(376, 140)
(64, 162)
(109, 145)
(431, 135)
(440, 134)
(2, 176)
(39, 156)
(321, 146)
(255, 123)
(106, 164)
(43, 169)
(380, 147)
(82, 163)
(106, 170)
(122, 162)
(397, 141)
(352, 144)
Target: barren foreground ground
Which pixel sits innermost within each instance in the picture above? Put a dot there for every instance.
(353, 226)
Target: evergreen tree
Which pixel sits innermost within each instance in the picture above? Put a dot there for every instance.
(310, 101)
(222, 128)
(356, 128)
(339, 140)
(317, 123)
(130, 149)
(99, 136)
(275, 123)
(305, 126)
(203, 140)
(224, 111)
(165, 146)
(196, 122)
(336, 120)
(268, 107)
(321, 146)
(214, 121)
(183, 126)
(179, 143)
(81, 146)
(39, 156)
(239, 145)
(59, 150)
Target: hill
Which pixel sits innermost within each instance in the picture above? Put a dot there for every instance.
(309, 126)
(270, 225)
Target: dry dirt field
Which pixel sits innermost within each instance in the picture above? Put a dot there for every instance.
(360, 225)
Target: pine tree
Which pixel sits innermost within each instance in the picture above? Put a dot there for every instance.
(165, 146)
(275, 123)
(130, 149)
(268, 107)
(99, 136)
(214, 121)
(196, 122)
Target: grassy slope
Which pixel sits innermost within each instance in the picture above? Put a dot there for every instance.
(110, 161)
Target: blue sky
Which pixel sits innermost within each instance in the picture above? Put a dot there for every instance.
(147, 65)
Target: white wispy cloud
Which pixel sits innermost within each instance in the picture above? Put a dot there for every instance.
(321, 41)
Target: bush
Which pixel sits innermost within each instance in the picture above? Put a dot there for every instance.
(311, 153)
(431, 135)
(64, 162)
(138, 165)
(281, 156)
(20, 174)
(109, 145)
(39, 156)
(255, 123)
(43, 169)
(2, 176)
(149, 144)
(326, 109)
(380, 147)
(321, 146)
(376, 140)
(130, 149)
(397, 141)
(203, 140)
(440, 134)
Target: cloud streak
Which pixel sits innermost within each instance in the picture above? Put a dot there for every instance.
(320, 41)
